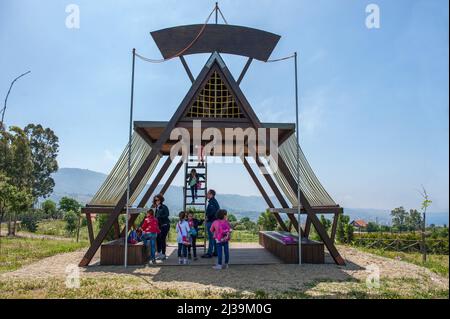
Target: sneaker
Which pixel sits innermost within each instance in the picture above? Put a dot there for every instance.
(153, 261)
(225, 266)
(180, 261)
(185, 261)
(161, 257)
(217, 267)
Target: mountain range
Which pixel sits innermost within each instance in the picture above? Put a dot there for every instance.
(82, 184)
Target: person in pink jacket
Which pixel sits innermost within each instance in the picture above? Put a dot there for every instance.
(221, 230)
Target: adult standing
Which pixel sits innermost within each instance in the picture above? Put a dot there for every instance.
(162, 214)
(211, 210)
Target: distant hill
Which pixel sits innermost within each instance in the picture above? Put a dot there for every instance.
(82, 184)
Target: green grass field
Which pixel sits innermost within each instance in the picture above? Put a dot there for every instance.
(127, 286)
(16, 252)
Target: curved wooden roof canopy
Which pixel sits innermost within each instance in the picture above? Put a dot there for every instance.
(223, 38)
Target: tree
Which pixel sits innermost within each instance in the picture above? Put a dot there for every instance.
(348, 229)
(325, 222)
(44, 150)
(267, 221)
(372, 227)
(425, 204)
(342, 222)
(231, 218)
(67, 204)
(49, 209)
(17, 166)
(413, 220)
(399, 217)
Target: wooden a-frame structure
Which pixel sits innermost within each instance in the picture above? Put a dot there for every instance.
(238, 113)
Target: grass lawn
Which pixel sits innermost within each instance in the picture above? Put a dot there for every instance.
(436, 263)
(127, 286)
(16, 252)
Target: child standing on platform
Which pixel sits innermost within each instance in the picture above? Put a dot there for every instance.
(221, 230)
(182, 228)
(193, 233)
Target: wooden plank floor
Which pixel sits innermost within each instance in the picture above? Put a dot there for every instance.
(240, 254)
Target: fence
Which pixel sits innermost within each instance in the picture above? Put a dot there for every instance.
(433, 246)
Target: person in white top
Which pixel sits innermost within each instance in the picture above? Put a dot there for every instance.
(182, 228)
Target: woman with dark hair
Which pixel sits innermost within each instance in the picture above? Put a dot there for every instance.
(162, 214)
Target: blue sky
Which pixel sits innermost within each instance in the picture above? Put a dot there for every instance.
(374, 103)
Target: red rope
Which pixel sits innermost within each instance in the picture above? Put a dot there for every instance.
(182, 51)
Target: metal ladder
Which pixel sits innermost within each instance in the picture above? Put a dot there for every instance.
(201, 201)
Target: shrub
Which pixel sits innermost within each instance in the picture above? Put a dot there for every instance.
(101, 220)
(267, 221)
(71, 219)
(29, 221)
(50, 210)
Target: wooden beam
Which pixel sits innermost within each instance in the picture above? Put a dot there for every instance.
(277, 193)
(294, 210)
(155, 182)
(244, 70)
(163, 190)
(264, 194)
(171, 177)
(186, 67)
(334, 227)
(307, 227)
(89, 227)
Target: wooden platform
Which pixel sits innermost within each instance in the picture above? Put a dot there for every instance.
(312, 251)
(240, 254)
(113, 252)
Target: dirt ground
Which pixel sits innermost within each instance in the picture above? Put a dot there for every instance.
(274, 277)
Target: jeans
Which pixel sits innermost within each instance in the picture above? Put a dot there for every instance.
(182, 250)
(193, 245)
(212, 242)
(161, 240)
(226, 250)
(194, 192)
(150, 242)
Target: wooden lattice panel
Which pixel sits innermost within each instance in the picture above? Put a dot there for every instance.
(215, 101)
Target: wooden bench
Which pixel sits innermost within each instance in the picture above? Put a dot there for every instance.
(112, 253)
(312, 251)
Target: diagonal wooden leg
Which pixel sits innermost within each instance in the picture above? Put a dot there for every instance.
(307, 227)
(152, 188)
(277, 193)
(334, 227)
(326, 239)
(264, 194)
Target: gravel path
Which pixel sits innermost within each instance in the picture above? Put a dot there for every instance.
(280, 277)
